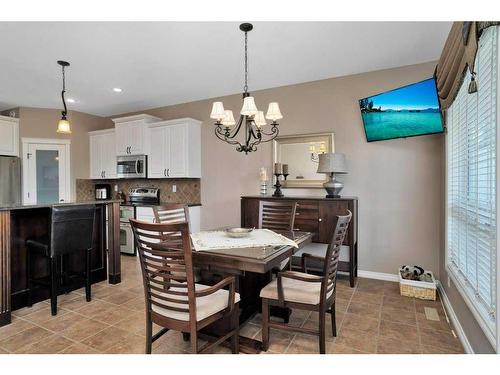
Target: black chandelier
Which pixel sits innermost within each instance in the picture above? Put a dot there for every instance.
(63, 125)
(226, 128)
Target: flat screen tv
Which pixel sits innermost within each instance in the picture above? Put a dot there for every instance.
(407, 111)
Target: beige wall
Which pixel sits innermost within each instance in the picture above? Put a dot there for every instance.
(398, 182)
(42, 123)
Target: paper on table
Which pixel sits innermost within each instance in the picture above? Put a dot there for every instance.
(215, 240)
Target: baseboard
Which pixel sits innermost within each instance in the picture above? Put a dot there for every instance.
(454, 319)
(378, 275)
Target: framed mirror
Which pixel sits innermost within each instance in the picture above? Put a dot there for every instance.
(300, 152)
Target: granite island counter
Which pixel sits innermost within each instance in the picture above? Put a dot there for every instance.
(20, 222)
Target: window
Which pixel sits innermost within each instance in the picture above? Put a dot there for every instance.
(471, 187)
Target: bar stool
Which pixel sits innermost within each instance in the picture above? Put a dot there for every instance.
(71, 231)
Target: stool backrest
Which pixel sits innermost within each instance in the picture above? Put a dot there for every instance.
(167, 269)
(72, 229)
(277, 215)
(333, 252)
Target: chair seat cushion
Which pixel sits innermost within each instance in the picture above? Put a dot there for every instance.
(40, 244)
(205, 306)
(295, 290)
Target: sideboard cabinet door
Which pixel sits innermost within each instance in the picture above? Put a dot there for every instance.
(328, 212)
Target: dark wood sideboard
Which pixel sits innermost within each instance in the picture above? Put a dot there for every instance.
(316, 215)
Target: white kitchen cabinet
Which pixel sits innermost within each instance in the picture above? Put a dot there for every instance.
(175, 149)
(102, 154)
(132, 134)
(145, 213)
(9, 136)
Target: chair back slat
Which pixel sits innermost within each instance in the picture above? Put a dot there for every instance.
(167, 268)
(331, 263)
(171, 214)
(277, 215)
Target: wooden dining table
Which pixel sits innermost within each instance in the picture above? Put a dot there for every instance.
(252, 268)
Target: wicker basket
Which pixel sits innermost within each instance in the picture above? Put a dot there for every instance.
(418, 289)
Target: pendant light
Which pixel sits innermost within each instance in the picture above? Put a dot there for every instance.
(63, 126)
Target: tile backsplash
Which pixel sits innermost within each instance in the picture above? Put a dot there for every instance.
(188, 189)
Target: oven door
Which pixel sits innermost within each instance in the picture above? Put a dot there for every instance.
(131, 166)
(126, 239)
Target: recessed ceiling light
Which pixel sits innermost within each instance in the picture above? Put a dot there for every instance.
(71, 100)
(117, 89)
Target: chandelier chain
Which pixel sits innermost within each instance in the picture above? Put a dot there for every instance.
(245, 88)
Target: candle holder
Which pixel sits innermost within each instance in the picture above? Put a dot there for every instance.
(263, 188)
(278, 193)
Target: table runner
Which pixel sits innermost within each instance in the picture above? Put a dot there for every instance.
(215, 240)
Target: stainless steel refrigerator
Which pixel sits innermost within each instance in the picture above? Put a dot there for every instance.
(10, 180)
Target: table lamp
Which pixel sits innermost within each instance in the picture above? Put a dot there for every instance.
(332, 164)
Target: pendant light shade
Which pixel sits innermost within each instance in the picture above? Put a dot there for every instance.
(217, 111)
(249, 108)
(260, 120)
(63, 126)
(273, 112)
(228, 120)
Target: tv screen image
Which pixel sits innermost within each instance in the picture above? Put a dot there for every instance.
(407, 111)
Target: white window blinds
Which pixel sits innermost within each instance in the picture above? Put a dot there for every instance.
(471, 185)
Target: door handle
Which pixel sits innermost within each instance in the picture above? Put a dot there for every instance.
(168, 172)
(61, 200)
(165, 172)
(104, 173)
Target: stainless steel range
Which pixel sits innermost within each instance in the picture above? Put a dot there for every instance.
(142, 196)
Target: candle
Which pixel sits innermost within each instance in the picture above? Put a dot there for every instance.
(278, 169)
(263, 174)
(285, 168)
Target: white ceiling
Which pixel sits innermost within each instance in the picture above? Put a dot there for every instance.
(163, 63)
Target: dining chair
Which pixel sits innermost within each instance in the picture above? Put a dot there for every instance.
(278, 216)
(304, 291)
(173, 300)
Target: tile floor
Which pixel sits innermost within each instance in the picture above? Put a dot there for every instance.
(371, 318)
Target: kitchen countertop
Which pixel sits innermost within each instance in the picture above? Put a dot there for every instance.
(160, 204)
(21, 206)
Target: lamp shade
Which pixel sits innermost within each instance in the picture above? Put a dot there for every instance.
(228, 119)
(332, 163)
(63, 127)
(217, 111)
(259, 119)
(273, 112)
(249, 108)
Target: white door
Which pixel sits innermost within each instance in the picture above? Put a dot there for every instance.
(156, 161)
(178, 151)
(46, 173)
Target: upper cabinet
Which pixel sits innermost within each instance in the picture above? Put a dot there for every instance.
(132, 134)
(102, 154)
(175, 149)
(9, 136)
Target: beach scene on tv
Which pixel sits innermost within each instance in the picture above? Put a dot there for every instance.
(403, 112)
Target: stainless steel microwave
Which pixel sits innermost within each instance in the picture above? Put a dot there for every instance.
(134, 166)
